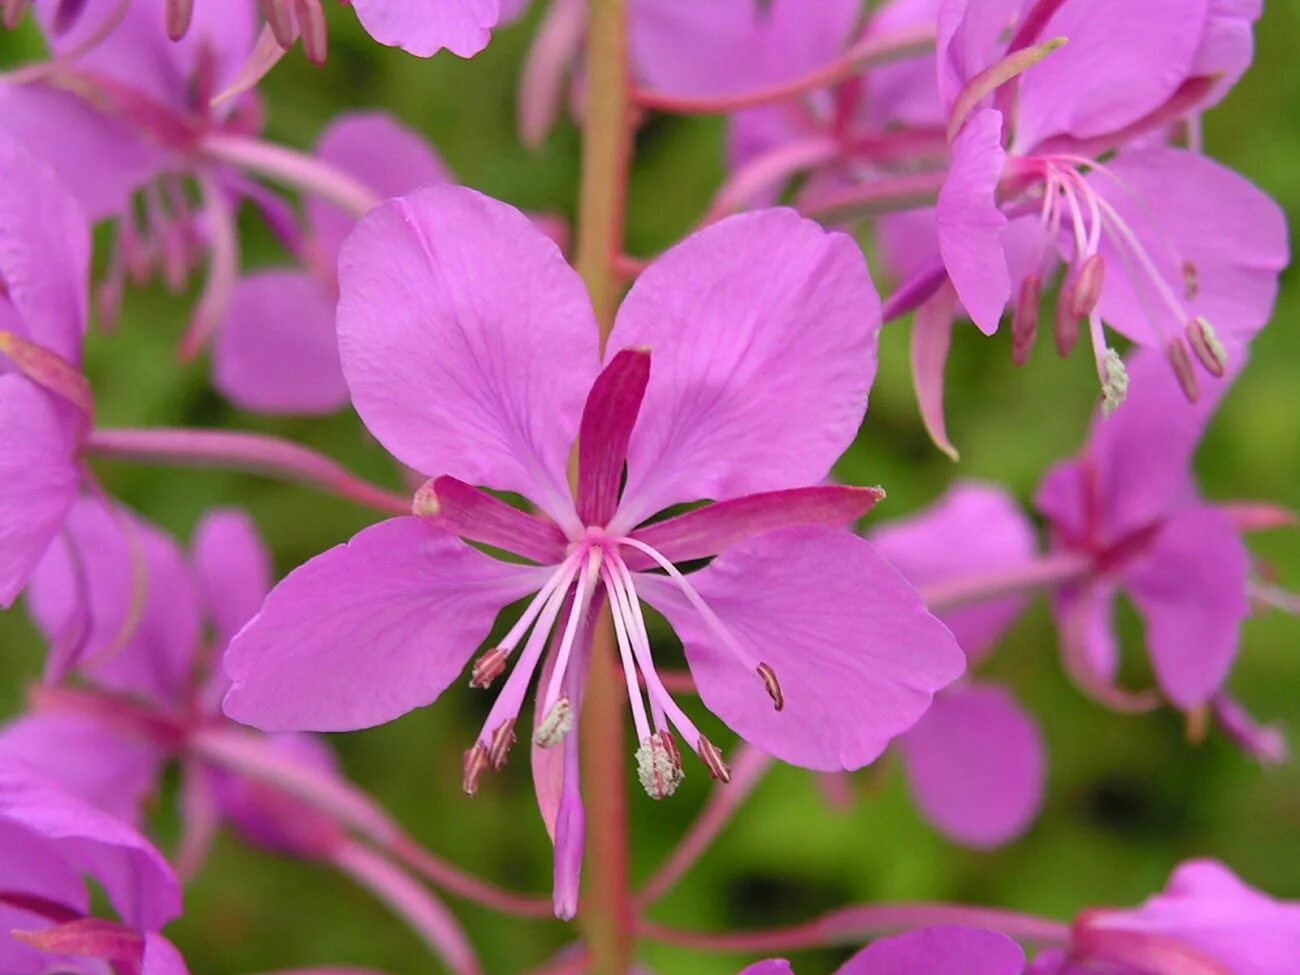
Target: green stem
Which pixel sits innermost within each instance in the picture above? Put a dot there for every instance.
(606, 914)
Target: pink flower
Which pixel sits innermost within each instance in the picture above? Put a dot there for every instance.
(738, 370)
(1129, 505)
(925, 951)
(1206, 922)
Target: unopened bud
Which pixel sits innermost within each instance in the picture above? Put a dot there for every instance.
(1024, 321)
(1114, 387)
(1209, 350)
(557, 723)
(315, 34)
(488, 668)
(658, 767)
(1066, 332)
(476, 761)
(502, 739)
(772, 686)
(1180, 360)
(179, 14)
(425, 502)
(711, 756)
(1087, 287)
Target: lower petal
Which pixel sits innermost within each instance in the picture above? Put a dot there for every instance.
(939, 951)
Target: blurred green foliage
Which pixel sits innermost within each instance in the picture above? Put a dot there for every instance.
(1128, 796)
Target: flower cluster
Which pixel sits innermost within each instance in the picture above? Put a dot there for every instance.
(604, 459)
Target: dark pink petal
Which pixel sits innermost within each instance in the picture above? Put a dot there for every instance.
(762, 330)
(232, 568)
(1217, 240)
(939, 951)
(479, 517)
(425, 27)
(716, 527)
(44, 253)
(84, 840)
(1094, 84)
(384, 155)
(368, 630)
(607, 421)
(39, 478)
(106, 768)
(469, 345)
(977, 765)
(120, 590)
(970, 223)
(973, 529)
(276, 351)
(857, 655)
(1190, 588)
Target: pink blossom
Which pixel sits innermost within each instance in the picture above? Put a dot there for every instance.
(473, 361)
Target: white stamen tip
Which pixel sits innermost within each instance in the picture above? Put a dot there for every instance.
(659, 770)
(557, 723)
(1114, 388)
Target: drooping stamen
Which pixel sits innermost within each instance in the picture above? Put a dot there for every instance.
(768, 676)
(502, 739)
(1180, 360)
(624, 641)
(1114, 388)
(490, 665)
(711, 756)
(577, 614)
(1024, 321)
(1087, 287)
(1066, 332)
(557, 723)
(11, 13)
(179, 14)
(315, 35)
(476, 761)
(1209, 350)
(280, 18)
(659, 767)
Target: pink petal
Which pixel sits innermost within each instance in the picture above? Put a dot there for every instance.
(39, 479)
(81, 838)
(1228, 45)
(114, 772)
(1191, 213)
(772, 966)
(970, 223)
(425, 27)
(277, 351)
(857, 655)
(233, 569)
(384, 155)
(977, 765)
(44, 252)
(1094, 84)
(161, 957)
(973, 529)
(368, 630)
(468, 343)
(763, 332)
(1190, 588)
(120, 587)
(939, 951)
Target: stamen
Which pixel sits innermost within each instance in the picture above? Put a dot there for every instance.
(1181, 361)
(562, 577)
(1024, 321)
(621, 628)
(770, 682)
(1087, 289)
(581, 603)
(424, 503)
(1066, 332)
(488, 667)
(659, 767)
(711, 756)
(502, 739)
(1209, 350)
(557, 723)
(476, 761)
(1114, 389)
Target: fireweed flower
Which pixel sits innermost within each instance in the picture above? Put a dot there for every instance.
(926, 951)
(976, 761)
(1129, 505)
(1206, 922)
(472, 353)
(276, 351)
(1165, 246)
(49, 842)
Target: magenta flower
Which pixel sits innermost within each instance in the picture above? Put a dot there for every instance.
(925, 951)
(1206, 921)
(276, 351)
(975, 761)
(1129, 507)
(1163, 245)
(49, 842)
(477, 361)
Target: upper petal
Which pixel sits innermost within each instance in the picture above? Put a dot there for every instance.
(39, 479)
(1190, 588)
(467, 342)
(939, 951)
(233, 569)
(425, 27)
(975, 528)
(44, 252)
(368, 630)
(970, 223)
(857, 655)
(977, 765)
(762, 331)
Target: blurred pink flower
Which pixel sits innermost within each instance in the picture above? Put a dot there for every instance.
(925, 951)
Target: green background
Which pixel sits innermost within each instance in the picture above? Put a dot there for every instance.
(1128, 797)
